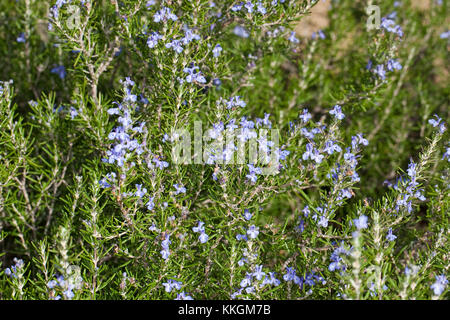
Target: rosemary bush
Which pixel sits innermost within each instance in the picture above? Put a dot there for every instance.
(205, 150)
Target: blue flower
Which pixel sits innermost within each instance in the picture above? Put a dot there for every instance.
(241, 32)
(194, 75)
(21, 38)
(331, 147)
(272, 280)
(437, 122)
(217, 50)
(140, 191)
(152, 41)
(175, 45)
(247, 214)
(160, 164)
(69, 294)
(203, 238)
(183, 296)
(199, 228)
(249, 6)
(189, 36)
(337, 262)
(344, 193)
(446, 154)
(390, 236)
(73, 112)
(305, 116)
(217, 83)
(440, 285)
(445, 35)
(312, 153)
(235, 101)
(150, 204)
(306, 211)
(253, 173)
(323, 221)
(164, 14)
(293, 38)
(60, 71)
(247, 281)
(241, 237)
(258, 274)
(242, 261)
(362, 140)
(105, 182)
(11, 272)
(237, 7)
(291, 275)
(179, 188)
(319, 33)
(380, 71)
(361, 222)
(393, 64)
(172, 285)
(165, 252)
(337, 112)
(260, 7)
(389, 25)
(253, 232)
(412, 170)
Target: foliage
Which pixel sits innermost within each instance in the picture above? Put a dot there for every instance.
(348, 197)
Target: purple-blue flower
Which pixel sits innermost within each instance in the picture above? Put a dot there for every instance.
(179, 188)
(60, 71)
(217, 50)
(241, 32)
(380, 71)
(390, 236)
(293, 38)
(200, 227)
(21, 38)
(253, 232)
(337, 112)
(361, 222)
(152, 41)
(305, 116)
(194, 74)
(439, 285)
(247, 214)
(393, 64)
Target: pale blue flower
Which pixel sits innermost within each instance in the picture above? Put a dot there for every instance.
(337, 112)
(361, 222)
(217, 50)
(253, 232)
(440, 285)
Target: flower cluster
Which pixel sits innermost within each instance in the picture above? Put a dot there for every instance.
(203, 238)
(18, 265)
(279, 194)
(123, 134)
(176, 285)
(256, 281)
(438, 123)
(193, 75)
(388, 24)
(381, 70)
(309, 279)
(66, 286)
(165, 252)
(439, 285)
(337, 262)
